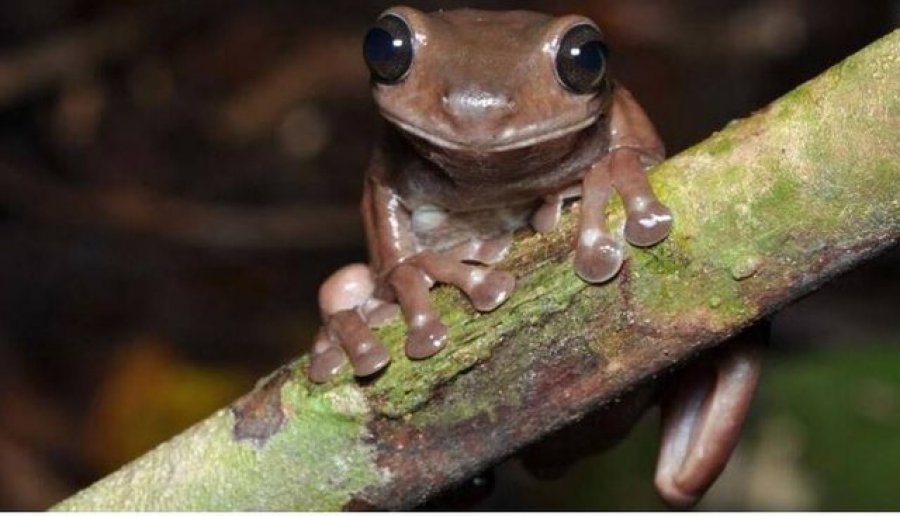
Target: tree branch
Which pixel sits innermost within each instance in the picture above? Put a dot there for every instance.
(766, 210)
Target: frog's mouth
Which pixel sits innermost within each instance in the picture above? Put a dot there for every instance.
(498, 144)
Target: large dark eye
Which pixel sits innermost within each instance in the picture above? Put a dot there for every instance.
(581, 60)
(388, 49)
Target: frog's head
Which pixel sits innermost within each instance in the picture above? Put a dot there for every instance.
(486, 81)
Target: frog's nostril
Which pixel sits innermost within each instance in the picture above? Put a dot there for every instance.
(476, 102)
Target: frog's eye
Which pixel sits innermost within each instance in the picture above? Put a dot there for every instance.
(581, 59)
(387, 49)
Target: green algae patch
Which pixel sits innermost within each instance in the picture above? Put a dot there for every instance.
(541, 339)
(719, 143)
(709, 295)
(206, 469)
(408, 384)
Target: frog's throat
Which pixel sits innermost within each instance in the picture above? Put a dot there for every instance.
(500, 147)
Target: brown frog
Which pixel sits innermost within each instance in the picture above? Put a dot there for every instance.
(493, 120)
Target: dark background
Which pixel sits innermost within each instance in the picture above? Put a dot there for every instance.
(176, 179)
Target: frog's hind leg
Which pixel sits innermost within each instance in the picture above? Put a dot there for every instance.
(702, 420)
(347, 303)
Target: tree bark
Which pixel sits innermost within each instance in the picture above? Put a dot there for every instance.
(765, 211)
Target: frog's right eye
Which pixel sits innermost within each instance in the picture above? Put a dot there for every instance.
(387, 49)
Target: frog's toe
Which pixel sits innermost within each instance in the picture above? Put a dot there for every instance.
(370, 359)
(426, 339)
(648, 224)
(366, 353)
(491, 290)
(378, 313)
(546, 217)
(598, 257)
(326, 364)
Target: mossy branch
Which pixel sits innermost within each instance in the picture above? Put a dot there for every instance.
(766, 210)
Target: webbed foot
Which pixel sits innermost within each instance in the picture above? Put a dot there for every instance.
(350, 308)
(486, 288)
(599, 253)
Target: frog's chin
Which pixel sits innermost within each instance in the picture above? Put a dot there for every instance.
(499, 145)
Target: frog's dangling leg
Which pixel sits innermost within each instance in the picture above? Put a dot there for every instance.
(598, 254)
(648, 221)
(343, 299)
(702, 420)
(426, 333)
(486, 288)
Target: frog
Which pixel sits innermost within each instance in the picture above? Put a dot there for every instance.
(493, 121)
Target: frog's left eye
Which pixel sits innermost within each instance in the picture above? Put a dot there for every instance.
(387, 49)
(581, 59)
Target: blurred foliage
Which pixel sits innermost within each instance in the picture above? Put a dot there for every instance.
(149, 395)
(843, 408)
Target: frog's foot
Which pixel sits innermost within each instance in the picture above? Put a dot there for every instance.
(349, 309)
(598, 253)
(648, 221)
(486, 288)
(547, 216)
(702, 421)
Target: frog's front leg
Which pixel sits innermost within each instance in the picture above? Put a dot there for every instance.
(598, 253)
(635, 147)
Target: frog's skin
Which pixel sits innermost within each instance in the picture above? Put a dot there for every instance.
(485, 133)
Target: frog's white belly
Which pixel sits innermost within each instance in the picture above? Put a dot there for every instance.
(439, 229)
